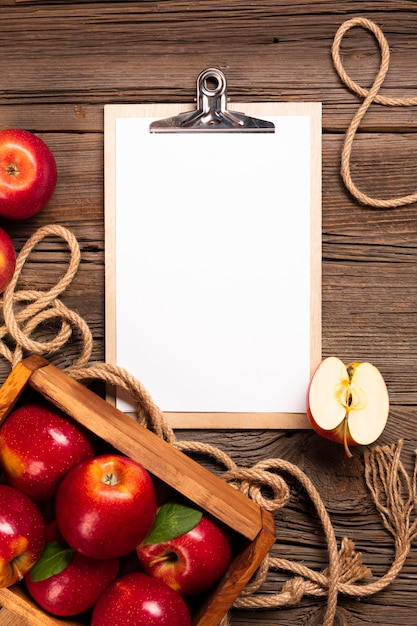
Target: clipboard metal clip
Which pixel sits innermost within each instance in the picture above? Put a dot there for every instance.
(211, 113)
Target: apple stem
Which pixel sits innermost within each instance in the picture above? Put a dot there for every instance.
(17, 570)
(345, 443)
(161, 559)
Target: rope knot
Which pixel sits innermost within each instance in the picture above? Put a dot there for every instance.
(266, 488)
(294, 590)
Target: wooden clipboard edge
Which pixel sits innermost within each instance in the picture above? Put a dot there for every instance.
(242, 421)
(313, 110)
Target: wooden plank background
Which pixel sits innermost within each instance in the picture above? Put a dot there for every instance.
(62, 61)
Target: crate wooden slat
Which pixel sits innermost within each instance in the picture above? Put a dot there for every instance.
(255, 525)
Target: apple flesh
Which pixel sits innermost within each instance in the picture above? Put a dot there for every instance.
(7, 259)
(348, 404)
(38, 446)
(28, 174)
(105, 506)
(137, 599)
(193, 562)
(22, 535)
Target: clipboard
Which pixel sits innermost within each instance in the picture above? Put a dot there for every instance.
(213, 256)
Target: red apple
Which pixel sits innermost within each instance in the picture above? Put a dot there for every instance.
(105, 506)
(74, 589)
(192, 562)
(138, 600)
(7, 260)
(63, 581)
(348, 404)
(38, 445)
(28, 174)
(22, 535)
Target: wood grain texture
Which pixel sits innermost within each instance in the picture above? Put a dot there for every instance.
(10, 619)
(63, 61)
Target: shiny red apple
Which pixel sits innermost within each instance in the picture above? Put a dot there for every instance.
(137, 599)
(348, 404)
(63, 581)
(105, 506)
(38, 445)
(74, 589)
(22, 535)
(192, 562)
(7, 259)
(28, 174)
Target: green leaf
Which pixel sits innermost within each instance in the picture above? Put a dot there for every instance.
(171, 521)
(54, 559)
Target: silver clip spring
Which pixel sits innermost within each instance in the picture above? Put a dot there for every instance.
(211, 113)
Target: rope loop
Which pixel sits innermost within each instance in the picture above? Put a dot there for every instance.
(370, 95)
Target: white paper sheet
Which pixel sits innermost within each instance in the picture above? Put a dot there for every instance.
(213, 266)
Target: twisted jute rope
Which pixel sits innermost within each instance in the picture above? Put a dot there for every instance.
(369, 96)
(394, 492)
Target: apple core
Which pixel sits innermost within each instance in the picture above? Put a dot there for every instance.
(348, 404)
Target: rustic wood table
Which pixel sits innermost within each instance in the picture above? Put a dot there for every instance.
(62, 61)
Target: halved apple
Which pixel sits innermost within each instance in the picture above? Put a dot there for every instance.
(348, 404)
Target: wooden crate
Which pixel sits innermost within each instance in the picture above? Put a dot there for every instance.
(253, 525)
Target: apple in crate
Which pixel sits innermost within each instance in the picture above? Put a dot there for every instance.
(105, 506)
(38, 446)
(137, 599)
(66, 583)
(189, 557)
(28, 174)
(348, 404)
(63, 581)
(22, 535)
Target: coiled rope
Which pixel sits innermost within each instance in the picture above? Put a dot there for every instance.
(370, 96)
